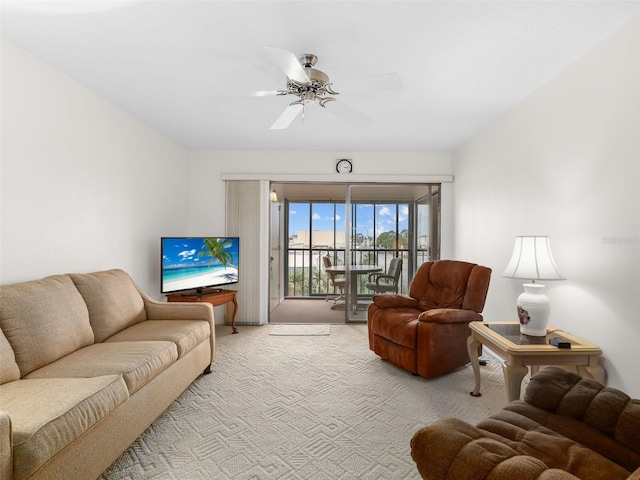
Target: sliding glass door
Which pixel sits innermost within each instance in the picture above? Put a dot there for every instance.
(364, 231)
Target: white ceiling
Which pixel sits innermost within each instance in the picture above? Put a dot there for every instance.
(187, 67)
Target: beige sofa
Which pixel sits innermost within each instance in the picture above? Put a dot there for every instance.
(87, 363)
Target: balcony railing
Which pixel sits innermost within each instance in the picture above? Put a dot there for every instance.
(306, 276)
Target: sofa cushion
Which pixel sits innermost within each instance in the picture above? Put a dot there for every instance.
(113, 301)
(137, 362)
(73, 405)
(43, 320)
(9, 369)
(186, 334)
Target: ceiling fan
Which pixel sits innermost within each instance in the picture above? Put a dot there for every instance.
(309, 85)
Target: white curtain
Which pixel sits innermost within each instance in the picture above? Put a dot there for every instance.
(247, 217)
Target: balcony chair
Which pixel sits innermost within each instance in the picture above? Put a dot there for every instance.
(426, 331)
(386, 282)
(335, 280)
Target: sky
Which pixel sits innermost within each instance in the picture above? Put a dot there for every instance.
(323, 217)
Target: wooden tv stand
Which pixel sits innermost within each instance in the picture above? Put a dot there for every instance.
(214, 297)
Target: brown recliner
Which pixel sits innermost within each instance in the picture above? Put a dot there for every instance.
(426, 332)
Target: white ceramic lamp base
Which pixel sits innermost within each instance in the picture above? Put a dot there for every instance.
(534, 308)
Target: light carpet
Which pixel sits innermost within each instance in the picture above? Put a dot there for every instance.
(304, 310)
(302, 407)
(301, 330)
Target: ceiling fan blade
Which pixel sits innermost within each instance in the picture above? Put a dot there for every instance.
(288, 63)
(267, 93)
(387, 81)
(245, 93)
(286, 117)
(350, 114)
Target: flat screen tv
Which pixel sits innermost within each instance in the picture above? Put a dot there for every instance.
(201, 264)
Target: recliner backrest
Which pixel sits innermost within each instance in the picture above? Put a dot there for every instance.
(451, 284)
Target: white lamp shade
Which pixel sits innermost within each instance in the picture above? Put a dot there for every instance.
(532, 260)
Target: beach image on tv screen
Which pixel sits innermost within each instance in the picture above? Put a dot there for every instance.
(190, 263)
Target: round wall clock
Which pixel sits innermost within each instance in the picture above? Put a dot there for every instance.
(344, 166)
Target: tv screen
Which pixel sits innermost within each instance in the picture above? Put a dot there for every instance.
(198, 263)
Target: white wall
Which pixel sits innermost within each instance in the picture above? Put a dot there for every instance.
(85, 186)
(566, 163)
(206, 208)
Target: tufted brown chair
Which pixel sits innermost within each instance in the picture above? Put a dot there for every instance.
(426, 332)
(565, 428)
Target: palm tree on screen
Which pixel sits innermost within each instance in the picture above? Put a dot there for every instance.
(216, 248)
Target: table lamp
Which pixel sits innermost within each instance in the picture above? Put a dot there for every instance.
(532, 260)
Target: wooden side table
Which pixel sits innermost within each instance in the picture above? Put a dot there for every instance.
(219, 297)
(519, 351)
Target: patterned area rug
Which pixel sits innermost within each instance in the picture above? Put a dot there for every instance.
(300, 330)
(298, 407)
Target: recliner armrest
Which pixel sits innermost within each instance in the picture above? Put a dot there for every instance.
(395, 301)
(450, 448)
(449, 315)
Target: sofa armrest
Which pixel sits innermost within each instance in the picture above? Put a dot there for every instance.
(6, 446)
(178, 310)
(450, 448)
(156, 310)
(449, 315)
(395, 301)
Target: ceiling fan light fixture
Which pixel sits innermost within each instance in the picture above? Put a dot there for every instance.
(318, 88)
(311, 85)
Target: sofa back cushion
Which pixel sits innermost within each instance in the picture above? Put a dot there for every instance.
(43, 320)
(450, 284)
(113, 301)
(9, 370)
